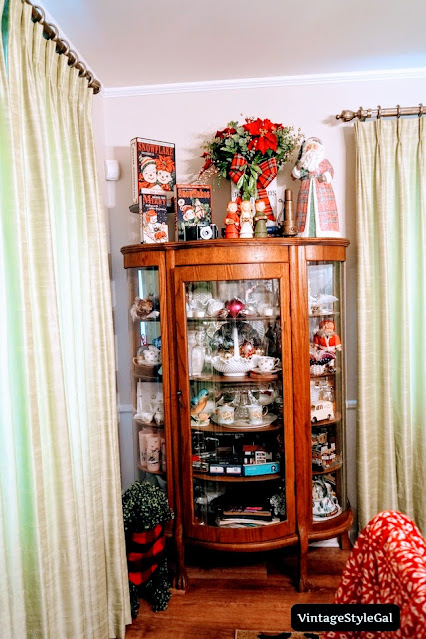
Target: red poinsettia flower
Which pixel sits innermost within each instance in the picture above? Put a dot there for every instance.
(229, 130)
(263, 135)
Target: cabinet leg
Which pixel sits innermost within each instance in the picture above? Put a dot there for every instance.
(344, 541)
(304, 583)
(180, 579)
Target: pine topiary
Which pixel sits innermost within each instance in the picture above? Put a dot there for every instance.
(145, 506)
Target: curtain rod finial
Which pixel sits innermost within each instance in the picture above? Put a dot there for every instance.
(346, 116)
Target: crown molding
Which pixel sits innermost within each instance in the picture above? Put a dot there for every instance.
(261, 83)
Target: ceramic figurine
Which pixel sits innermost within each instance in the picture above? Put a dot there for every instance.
(260, 219)
(232, 221)
(325, 338)
(316, 210)
(198, 403)
(246, 219)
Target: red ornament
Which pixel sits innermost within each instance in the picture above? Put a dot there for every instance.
(234, 307)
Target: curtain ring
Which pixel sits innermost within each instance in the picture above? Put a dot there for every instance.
(37, 14)
(398, 110)
(52, 28)
(420, 110)
(379, 112)
(81, 67)
(89, 76)
(62, 47)
(72, 58)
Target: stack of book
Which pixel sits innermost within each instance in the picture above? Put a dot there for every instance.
(245, 517)
(153, 184)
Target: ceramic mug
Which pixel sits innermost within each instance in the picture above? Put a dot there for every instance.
(225, 414)
(256, 413)
(266, 363)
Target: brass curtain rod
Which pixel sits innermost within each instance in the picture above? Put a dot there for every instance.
(363, 114)
(51, 32)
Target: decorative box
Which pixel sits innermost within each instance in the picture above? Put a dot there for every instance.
(261, 469)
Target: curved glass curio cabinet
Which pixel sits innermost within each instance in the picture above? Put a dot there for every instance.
(251, 376)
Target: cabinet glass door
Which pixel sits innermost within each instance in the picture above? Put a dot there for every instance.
(148, 398)
(326, 353)
(237, 401)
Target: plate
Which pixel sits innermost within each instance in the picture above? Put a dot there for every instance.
(259, 372)
(242, 423)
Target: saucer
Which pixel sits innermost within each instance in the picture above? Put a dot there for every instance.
(260, 372)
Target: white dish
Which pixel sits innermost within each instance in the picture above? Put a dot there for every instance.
(232, 367)
(274, 370)
(242, 423)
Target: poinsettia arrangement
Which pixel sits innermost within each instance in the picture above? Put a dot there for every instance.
(250, 154)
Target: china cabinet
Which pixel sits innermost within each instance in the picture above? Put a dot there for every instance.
(241, 344)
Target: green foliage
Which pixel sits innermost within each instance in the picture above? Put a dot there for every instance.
(144, 506)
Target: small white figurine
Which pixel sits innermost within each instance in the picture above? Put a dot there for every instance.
(246, 219)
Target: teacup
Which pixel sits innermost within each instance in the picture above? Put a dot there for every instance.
(225, 414)
(152, 356)
(266, 363)
(146, 416)
(256, 413)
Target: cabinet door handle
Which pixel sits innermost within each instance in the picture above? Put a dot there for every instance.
(179, 396)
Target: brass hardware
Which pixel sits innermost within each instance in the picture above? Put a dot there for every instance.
(51, 32)
(362, 114)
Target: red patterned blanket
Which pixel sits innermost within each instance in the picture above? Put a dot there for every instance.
(387, 565)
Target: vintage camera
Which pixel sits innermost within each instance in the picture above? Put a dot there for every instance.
(201, 232)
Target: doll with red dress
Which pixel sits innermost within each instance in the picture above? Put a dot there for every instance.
(232, 221)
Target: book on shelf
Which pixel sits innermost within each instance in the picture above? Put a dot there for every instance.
(193, 207)
(153, 218)
(239, 522)
(153, 167)
(258, 515)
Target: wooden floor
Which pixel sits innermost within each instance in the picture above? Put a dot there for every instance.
(246, 591)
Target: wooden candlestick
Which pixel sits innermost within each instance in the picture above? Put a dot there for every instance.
(289, 226)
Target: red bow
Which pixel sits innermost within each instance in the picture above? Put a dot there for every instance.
(268, 171)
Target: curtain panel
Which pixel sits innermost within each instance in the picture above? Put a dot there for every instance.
(63, 567)
(391, 238)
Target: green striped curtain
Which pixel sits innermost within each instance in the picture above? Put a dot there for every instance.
(63, 570)
(391, 240)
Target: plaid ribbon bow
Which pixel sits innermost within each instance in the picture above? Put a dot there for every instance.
(268, 172)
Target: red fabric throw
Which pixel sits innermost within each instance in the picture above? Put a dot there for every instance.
(387, 565)
(144, 553)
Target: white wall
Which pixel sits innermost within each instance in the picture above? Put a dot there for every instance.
(190, 118)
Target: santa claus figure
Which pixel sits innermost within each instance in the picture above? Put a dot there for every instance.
(326, 338)
(316, 210)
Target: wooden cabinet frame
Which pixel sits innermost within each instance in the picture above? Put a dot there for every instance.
(283, 259)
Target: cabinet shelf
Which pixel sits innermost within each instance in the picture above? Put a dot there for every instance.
(336, 371)
(241, 478)
(216, 428)
(330, 469)
(324, 422)
(323, 315)
(225, 320)
(243, 379)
